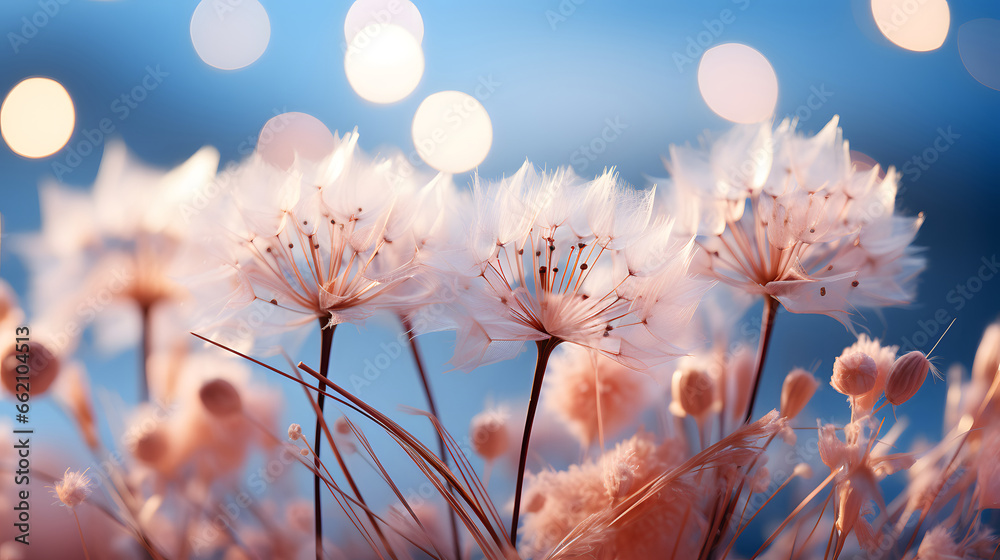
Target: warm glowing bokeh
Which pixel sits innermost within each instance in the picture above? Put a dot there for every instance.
(290, 134)
(230, 35)
(452, 131)
(384, 64)
(916, 25)
(979, 47)
(365, 13)
(738, 83)
(37, 117)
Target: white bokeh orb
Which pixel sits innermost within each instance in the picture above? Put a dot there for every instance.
(738, 83)
(37, 117)
(292, 134)
(230, 35)
(384, 65)
(916, 25)
(373, 14)
(452, 131)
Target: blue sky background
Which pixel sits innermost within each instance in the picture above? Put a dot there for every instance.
(555, 86)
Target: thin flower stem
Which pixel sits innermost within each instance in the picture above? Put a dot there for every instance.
(545, 348)
(326, 343)
(766, 328)
(147, 348)
(418, 359)
(86, 554)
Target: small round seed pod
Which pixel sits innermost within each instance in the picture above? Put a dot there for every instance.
(220, 398)
(693, 392)
(798, 388)
(854, 374)
(39, 365)
(906, 376)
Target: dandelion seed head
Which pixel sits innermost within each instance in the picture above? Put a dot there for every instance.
(592, 393)
(73, 489)
(490, 433)
(854, 374)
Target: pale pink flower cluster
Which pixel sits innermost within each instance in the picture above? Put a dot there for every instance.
(788, 216)
(677, 469)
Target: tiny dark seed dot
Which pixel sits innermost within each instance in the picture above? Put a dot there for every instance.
(291, 245)
(608, 327)
(581, 244)
(268, 249)
(555, 270)
(359, 208)
(854, 284)
(274, 302)
(830, 267)
(606, 334)
(541, 270)
(520, 251)
(538, 253)
(305, 222)
(552, 247)
(715, 253)
(334, 222)
(503, 300)
(812, 230)
(585, 296)
(316, 246)
(822, 291)
(583, 266)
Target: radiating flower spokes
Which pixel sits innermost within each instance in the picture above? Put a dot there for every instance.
(555, 258)
(801, 225)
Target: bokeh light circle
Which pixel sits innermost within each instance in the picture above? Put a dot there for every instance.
(979, 47)
(738, 83)
(916, 25)
(230, 35)
(452, 131)
(384, 65)
(289, 134)
(373, 14)
(37, 117)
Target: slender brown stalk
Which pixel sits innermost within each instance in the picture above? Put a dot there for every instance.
(326, 344)
(766, 328)
(545, 348)
(86, 554)
(432, 405)
(146, 350)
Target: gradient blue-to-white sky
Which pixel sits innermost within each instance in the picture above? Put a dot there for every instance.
(553, 84)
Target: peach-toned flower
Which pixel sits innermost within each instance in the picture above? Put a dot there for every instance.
(551, 257)
(73, 488)
(787, 216)
(593, 394)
